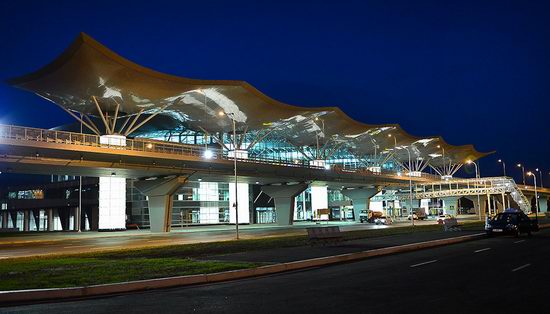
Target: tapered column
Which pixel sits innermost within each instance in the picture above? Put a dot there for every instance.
(160, 194)
(360, 199)
(5, 219)
(50, 219)
(283, 196)
(26, 220)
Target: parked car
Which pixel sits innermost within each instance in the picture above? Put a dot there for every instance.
(441, 218)
(511, 222)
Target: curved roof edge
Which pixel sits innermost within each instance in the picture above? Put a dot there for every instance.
(84, 38)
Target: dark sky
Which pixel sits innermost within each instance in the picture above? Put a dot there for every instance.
(472, 71)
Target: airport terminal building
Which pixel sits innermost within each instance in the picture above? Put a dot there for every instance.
(161, 151)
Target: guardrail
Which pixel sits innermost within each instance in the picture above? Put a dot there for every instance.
(163, 147)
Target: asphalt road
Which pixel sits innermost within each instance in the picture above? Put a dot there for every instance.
(504, 274)
(44, 243)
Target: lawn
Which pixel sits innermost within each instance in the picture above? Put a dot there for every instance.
(147, 263)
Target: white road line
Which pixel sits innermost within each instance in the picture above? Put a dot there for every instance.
(521, 267)
(420, 264)
(519, 241)
(481, 250)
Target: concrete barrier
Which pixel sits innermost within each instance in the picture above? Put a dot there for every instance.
(20, 296)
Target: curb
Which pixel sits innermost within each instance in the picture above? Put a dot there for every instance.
(34, 295)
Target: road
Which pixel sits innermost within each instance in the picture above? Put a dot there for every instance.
(45, 243)
(504, 274)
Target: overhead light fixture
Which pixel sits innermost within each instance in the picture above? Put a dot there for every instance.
(257, 182)
(149, 146)
(327, 167)
(221, 113)
(113, 174)
(208, 154)
(199, 179)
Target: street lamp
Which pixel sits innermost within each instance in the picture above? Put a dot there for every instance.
(394, 146)
(540, 176)
(503, 166)
(477, 177)
(410, 184)
(536, 196)
(231, 116)
(522, 172)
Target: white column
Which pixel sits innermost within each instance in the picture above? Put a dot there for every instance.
(112, 193)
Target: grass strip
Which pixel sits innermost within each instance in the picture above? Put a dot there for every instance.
(148, 263)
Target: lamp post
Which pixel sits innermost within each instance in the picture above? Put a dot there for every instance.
(540, 176)
(522, 172)
(477, 177)
(536, 196)
(394, 146)
(231, 116)
(503, 166)
(410, 186)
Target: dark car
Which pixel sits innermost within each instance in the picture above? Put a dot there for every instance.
(513, 223)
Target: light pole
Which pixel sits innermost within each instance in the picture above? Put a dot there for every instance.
(477, 177)
(394, 146)
(540, 176)
(536, 196)
(522, 172)
(231, 116)
(503, 166)
(410, 186)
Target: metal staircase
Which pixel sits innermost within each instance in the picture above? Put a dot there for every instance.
(461, 187)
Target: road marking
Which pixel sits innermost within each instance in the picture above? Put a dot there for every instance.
(420, 264)
(521, 267)
(481, 250)
(519, 241)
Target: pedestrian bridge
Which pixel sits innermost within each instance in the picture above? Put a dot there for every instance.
(461, 187)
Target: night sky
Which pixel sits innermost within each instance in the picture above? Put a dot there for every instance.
(474, 72)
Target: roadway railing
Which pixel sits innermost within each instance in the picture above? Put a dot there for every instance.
(156, 146)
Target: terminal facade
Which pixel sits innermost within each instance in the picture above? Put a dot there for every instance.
(213, 150)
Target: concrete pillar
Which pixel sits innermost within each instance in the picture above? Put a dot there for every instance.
(481, 207)
(5, 219)
(76, 218)
(50, 219)
(160, 193)
(360, 199)
(283, 196)
(26, 219)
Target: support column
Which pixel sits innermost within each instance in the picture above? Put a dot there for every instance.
(360, 199)
(76, 219)
(50, 219)
(5, 219)
(26, 219)
(160, 193)
(283, 196)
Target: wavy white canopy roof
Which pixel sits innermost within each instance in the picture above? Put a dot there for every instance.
(87, 68)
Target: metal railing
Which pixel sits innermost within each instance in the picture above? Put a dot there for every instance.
(463, 187)
(155, 146)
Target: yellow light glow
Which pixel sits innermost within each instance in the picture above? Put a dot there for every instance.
(221, 113)
(468, 161)
(529, 173)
